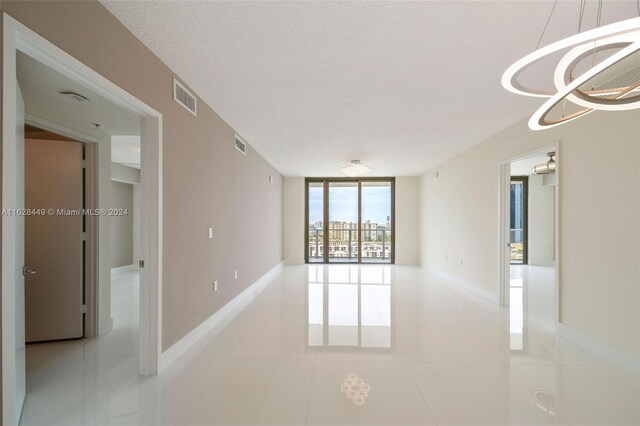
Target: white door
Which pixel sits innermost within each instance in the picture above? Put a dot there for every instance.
(53, 242)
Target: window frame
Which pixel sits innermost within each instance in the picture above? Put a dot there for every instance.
(325, 220)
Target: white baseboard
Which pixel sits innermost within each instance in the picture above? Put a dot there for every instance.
(600, 348)
(592, 344)
(105, 327)
(458, 282)
(121, 270)
(225, 313)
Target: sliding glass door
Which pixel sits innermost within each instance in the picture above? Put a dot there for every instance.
(315, 222)
(349, 220)
(376, 221)
(343, 222)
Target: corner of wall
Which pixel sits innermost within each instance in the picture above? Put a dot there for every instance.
(293, 217)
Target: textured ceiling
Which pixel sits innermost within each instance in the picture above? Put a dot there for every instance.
(401, 86)
(41, 87)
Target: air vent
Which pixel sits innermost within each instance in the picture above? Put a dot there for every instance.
(240, 145)
(185, 98)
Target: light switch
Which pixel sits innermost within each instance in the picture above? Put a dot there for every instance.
(215, 286)
(210, 232)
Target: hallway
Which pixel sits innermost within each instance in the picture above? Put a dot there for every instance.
(344, 344)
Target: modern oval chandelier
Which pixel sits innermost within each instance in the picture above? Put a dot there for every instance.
(613, 93)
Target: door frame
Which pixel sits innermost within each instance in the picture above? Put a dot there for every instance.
(325, 231)
(17, 37)
(91, 264)
(504, 199)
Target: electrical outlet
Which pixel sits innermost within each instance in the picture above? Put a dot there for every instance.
(215, 286)
(210, 232)
(235, 275)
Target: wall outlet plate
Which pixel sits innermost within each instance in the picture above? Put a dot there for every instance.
(235, 275)
(210, 233)
(215, 286)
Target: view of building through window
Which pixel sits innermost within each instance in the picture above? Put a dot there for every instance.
(358, 221)
(517, 221)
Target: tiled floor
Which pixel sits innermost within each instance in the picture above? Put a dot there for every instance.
(346, 345)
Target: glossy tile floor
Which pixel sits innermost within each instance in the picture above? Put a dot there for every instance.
(347, 345)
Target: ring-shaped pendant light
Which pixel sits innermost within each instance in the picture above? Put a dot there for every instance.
(538, 119)
(510, 78)
(605, 99)
(623, 34)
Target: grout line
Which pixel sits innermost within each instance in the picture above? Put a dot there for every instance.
(313, 373)
(415, 383)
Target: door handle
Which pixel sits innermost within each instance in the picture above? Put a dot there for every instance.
(26, 271)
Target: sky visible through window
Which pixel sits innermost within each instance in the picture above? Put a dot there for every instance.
(343, 202)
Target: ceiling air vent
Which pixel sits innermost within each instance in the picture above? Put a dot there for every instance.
(185, 98)
(240, 144)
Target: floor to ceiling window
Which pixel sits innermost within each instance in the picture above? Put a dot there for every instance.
(315, 222)
(350, 220)
(518, 239)
(343, 221)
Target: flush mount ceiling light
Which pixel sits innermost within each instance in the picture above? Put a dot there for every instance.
(623, 36)
(355, 168)
(546, 168)
(77, 96)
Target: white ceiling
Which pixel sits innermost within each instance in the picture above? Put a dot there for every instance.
(401, 86)
(41, 87)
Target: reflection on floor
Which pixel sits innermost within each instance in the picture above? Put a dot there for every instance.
(532, 303)
(368, 344)
(66, 377)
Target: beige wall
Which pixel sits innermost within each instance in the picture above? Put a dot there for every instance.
(599, 226)
(207, 183)
(407, 252)
(541, 220)
(121, 226)
(406, 220)
(294, 220)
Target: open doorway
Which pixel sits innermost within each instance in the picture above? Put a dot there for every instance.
(530, 212)
(49, 94)
(82, 245)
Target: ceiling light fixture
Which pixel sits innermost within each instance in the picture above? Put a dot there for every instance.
(546, 168)
(355, 168)
(624, 36)
(77, 96)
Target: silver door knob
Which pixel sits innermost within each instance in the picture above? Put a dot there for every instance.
(26, 271)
